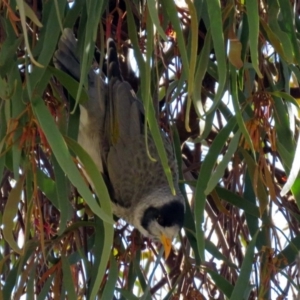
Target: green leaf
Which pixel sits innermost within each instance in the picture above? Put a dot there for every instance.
(46, 43)
(238, 201)
(128, 295)
(193, 47)
(203, 178)
(46, 288)
(258, 186)
(94, 12)
(67, 279)
(288, 26)
(22, 10)
(221, 282)
(31, 15)
(10, 212)
(63, 156)
(202, 63)
(216, 28)
(151, 4)
(277, 41)
(286, 97)
(252, 220)
(189, 222)
(105, 231)
(294, 173)
(102, 193)
(173, 16)
(93, 173)
(243, 281)
(214, 251)
(288, 255)
(220, 169)
(62, 189)
(71, 85)
(17, 107)
(253, 25)
(31, 284)
(73, 13)
(102, 252)
(47, 186)
(7, 60)
(11, 280)
(237, 109)
(109, 288)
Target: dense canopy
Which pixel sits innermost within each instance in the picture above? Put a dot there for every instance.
(221, 78)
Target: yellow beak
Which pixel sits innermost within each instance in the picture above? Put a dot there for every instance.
(167, 243)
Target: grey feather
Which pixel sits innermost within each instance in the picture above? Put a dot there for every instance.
(127, 159)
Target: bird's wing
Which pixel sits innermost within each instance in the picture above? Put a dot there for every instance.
(125, 117)
(124, 123)
(65, 57)
(130, 170)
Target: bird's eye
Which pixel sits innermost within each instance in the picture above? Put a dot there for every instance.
(160, 220)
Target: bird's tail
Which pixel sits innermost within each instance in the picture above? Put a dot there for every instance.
(113, 70)
(65, 57)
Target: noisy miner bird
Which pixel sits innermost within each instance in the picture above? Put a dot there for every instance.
(111, 131)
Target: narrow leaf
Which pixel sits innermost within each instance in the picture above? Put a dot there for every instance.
(151, 4)
(294, 171)
(21, 5)
(63, 157)
(219, 171)
(10, 212)
(243, 281)
(253, 20)
(31, 15)
(216, 27)
(109, 288)
(68, 278)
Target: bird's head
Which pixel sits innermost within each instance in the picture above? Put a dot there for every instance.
(162, 219)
